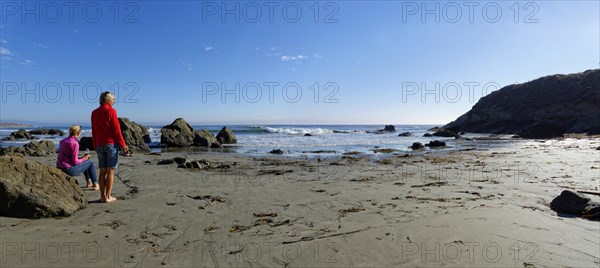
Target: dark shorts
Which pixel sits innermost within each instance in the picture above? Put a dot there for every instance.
(108, 155)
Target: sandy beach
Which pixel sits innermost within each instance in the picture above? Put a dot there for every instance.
(484, 206)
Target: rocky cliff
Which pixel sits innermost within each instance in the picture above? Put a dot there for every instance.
(543, 108)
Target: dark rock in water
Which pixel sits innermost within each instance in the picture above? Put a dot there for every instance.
(29, 189)
(543, 108)
(45, 131)
(571, 202)
(177, 134)
(417, 145)
(388, 128)
(86, 143)
(20, 134)
(307, 134)
(405, 134)
(180, 160)
(435, 143)
(166, 162)
(515, 137)
(204, 138)
(226, 136)
(34, 148)
(598, 148)
(384, 150)
(135, 135)
(445, 133)
(276, 151)
(427, 135)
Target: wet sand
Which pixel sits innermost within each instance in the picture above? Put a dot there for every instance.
(486, 207)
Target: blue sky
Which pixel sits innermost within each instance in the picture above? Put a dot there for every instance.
(361, 57)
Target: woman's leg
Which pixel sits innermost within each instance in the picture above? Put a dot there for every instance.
(110, 179)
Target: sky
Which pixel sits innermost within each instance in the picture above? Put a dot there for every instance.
(268, 62)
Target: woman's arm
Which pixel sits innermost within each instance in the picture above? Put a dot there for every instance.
(74, 154)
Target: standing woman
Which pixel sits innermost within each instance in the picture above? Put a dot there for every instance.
(107, 138)
(68, 161)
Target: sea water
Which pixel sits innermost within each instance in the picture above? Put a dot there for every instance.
(294, 140)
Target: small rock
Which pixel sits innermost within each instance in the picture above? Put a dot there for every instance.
(427, 135)
(276, 151)
(165, 162)
(307, 134)
(180, 160)
(417, 145)
(436, 143)
(405, 134)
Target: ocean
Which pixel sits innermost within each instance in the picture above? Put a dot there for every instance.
(292, 139)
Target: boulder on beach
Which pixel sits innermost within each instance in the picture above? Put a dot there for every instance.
(204, 138)
(45, 131)
(29, 189)
(435, 143)
(135, 135)
(226, 136)
(546, 107)
(34, 148)
(572, 202)
(177, 134)
(86, 143)
(20, 134)
(417, 146)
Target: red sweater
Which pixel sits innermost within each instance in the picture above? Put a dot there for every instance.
(105, 127)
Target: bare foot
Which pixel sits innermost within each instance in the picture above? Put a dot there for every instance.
(96, 188)
(89, 185)
(111, 199)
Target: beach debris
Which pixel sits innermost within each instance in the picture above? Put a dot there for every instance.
(263, 221)
(276, 151)
(274, 172)
(265, 214)
(363, 179)
(435, 143)
(310, 238)
(571, 202)
(210, 198)
(238, 228)
(113, 224)
(437, 183)
(154, 153)
(399, 183)
(343, 212)
(211, 228)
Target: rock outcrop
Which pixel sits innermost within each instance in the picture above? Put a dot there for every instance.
(34, 148)
(206, 139)
(435, 143)
(29, 189)
(135, 135)
(45, 131)
(417, 146)
(86, 143)
(226, 136)
(571, 202)
(177, 134)
(20, 134)
(543, 108)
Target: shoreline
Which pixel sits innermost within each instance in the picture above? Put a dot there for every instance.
(333, 212)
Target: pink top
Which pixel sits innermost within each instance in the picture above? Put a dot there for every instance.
(67, 153)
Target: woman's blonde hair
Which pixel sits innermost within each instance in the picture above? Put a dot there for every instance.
(106, 96)
(74, 130)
